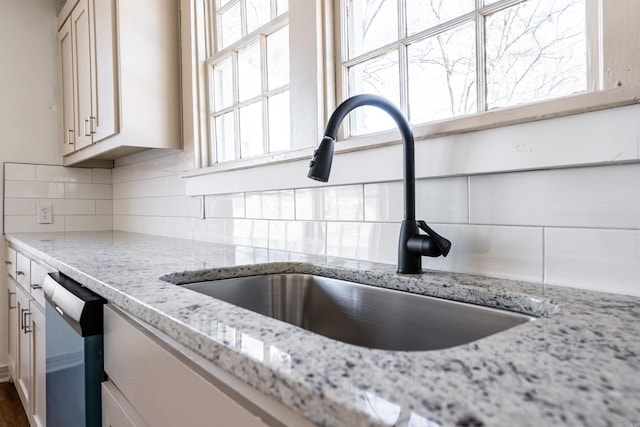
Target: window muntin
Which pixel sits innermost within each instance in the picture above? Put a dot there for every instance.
(249, 65)
(460, 57)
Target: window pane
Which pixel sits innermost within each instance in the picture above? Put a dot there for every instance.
(283, 6)
(222, 85)
(249, 73)
(230, 26)
(221, 3)
(378, 76)
(423, 14)
(278, 58)
(258, 14)
(535, 50)
(224, 137)
(372, 23)
(251, 143)
(279, 127)
(442, 75)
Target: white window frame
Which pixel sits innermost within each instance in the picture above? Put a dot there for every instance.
(615, 83)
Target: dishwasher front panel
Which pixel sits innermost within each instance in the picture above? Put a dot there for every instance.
(74, 354)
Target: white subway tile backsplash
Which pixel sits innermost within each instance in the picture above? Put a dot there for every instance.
(158, 206)
(224, 206)
(104, 207)
(24, 224)
(211, 230)
(340, 203)
(32, 189)
(159, 226)
(70, 206)
(248, 232)
(438, 200)
(19, 172)
(156, 187)
(88, 222)
(298, 236)
(15, 206)
(102, 176)
(597, 197)
(88, 191)
(69, 191)
(157, 167)
(365, 241)
(50, 173)
(602, 260)
(506, 252)
(270, 205)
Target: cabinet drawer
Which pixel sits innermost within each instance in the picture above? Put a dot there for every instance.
(116, 411)
(38, 273)
(23, 271)
(137, 364)
(11, 262)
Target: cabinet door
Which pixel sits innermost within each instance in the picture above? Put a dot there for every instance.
(67, 138)
(13, 328)
(38, 365)
(81, 50)
(23, 371)
(104, 119)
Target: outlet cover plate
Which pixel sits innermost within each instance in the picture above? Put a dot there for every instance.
(45, 214)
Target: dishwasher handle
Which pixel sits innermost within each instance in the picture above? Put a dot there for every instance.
(78, 306)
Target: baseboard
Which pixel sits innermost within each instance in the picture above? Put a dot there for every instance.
(4, 373)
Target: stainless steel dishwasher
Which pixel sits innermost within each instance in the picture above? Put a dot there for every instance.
(74, 365)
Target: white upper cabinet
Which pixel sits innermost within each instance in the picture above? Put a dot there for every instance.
(119, 68)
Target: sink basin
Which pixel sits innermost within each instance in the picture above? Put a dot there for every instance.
(359, 314)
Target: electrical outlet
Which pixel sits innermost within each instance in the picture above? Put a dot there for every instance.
(45, 214)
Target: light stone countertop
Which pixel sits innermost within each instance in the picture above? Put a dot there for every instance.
(578, 364)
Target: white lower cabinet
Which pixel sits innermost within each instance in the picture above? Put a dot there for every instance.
(116, 410)
(38, 365)
(12, 355)
(155, 382)
(23, 369)
(26, 335)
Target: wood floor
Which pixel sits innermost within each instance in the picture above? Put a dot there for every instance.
(11, 412)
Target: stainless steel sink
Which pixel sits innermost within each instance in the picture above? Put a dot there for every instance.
(359, 314)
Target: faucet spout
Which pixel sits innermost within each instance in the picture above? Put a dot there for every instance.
(412, 245)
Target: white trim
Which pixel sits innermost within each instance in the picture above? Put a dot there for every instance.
(606, 136)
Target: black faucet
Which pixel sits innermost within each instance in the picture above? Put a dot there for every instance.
(412, 245)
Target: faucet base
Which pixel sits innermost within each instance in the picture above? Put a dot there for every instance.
(408, 262)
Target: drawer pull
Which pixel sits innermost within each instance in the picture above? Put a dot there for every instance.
(23, 311)
(8, 262)
(27, 328)
(11, 307)
(35, 286)
(19, 273)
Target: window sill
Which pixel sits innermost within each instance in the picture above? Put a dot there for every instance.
(251, 174)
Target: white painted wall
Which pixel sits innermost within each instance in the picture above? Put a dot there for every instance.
(28, 100)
